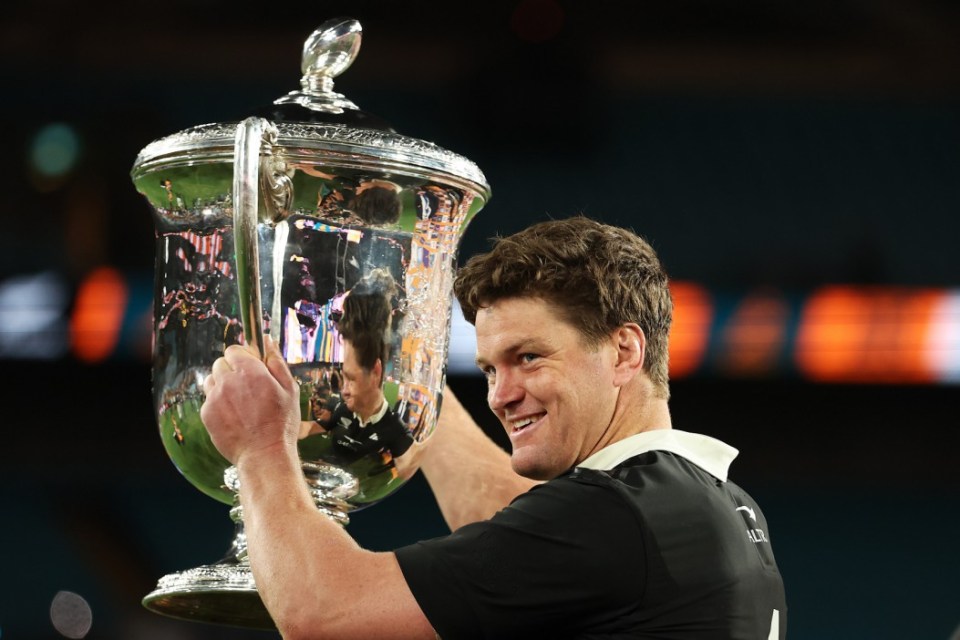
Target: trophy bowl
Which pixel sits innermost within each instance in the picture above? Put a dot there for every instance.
(318, 225)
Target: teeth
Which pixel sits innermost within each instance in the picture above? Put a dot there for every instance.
(520, 424)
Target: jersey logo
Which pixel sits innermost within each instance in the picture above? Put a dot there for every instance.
(754, 533)
(750, 512)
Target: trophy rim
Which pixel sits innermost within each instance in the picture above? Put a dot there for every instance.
(337, 144)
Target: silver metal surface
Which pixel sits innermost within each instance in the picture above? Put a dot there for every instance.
(326, 54)
(340, 243)
(223, 593)
(302, 143)
(252, 133)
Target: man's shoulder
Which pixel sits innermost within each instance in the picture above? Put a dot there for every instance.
(391, 420)
(657, 483)
(570, 496)
(647, 466)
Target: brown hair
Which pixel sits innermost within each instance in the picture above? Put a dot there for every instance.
(377, 205)
(598, 276)
(366, 320)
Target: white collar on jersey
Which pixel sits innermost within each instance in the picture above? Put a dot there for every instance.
(377, 417)
(708, 453)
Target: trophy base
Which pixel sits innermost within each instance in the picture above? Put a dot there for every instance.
(221, 593)
(224, 592)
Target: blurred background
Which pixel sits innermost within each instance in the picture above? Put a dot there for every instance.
(796, 165)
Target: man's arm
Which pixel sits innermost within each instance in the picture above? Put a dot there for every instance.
(469, 473)
(314, 579)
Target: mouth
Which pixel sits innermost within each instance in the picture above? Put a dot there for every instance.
(519, 426)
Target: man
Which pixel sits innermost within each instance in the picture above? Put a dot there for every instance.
(635, 530)
(362, 424)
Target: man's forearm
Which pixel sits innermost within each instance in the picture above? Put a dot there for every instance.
(284, 532)
(470, 474)
(311, 574)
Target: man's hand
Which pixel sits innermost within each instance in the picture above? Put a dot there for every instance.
(252, 406)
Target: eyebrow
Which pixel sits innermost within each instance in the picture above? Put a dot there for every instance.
(523, 346)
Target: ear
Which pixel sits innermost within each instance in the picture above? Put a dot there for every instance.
(631, 349)
(378, 370)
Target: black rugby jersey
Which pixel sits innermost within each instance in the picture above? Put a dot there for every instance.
(645, 539)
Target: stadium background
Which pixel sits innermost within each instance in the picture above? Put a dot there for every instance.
(797, 166)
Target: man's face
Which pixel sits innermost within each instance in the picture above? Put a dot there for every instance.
(552, 392)
(361, 387)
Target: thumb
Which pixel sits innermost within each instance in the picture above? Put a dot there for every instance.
(277, 366)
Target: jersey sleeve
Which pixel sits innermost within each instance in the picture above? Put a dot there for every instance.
(565, 555)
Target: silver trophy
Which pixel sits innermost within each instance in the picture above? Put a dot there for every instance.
(318, 225)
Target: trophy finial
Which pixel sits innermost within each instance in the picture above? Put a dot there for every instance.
(327, 53)
(331, 48)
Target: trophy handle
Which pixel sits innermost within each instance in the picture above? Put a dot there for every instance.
(252, 134)
(329, 486)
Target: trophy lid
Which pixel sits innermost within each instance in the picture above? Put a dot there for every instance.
(317, 123)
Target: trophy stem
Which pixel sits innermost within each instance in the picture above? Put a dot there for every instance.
(225, 592)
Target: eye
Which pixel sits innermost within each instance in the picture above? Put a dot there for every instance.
(488, 372)
(528, 357)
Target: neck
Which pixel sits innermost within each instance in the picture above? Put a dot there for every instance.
(637, 409)
(366, 413)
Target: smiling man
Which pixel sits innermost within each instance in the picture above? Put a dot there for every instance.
(602, 522)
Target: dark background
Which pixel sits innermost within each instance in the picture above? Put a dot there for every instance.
(756, 144)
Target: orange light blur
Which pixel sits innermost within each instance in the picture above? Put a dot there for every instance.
(870, 335)
(755, 335)
(690, 333)
(98, 315)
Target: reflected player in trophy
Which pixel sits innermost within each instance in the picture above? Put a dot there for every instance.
(376, 203)
(364, 202)
(362, 423)
(324, 398)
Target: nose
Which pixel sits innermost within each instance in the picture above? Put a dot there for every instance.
(504, 391)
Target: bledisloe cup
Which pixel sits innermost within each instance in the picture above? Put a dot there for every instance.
(317, 224)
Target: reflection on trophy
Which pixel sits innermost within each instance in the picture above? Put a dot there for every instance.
(318, 225)
(361, 424)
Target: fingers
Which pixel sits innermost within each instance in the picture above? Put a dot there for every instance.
(245, 359)
(276, 364)
(232, 360)
(208, 384)
(220, 368)
(240, 356)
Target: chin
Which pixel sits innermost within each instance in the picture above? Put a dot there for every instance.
(534, 469)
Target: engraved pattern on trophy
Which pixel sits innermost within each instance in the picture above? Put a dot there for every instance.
(364, 148)
(340, 244)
